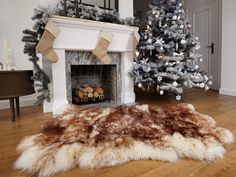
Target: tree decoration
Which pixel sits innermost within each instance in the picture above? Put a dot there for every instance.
(174, 54)
(31, 37)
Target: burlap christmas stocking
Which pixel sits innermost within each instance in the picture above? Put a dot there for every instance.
(136, 39)
(101, 49)
(45, 45)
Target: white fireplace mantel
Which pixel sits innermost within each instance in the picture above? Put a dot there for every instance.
(83, 35)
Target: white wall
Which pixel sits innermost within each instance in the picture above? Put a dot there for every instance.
(15, 16)
(126, 8)
(228, 76)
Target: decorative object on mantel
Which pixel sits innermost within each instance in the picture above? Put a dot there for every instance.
(45, 45)
(14, 84)
(100, 50)
(96, 138)
(168, 55)
(8, 58)
(66, 8)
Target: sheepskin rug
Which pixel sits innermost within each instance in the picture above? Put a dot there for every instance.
(102, 137)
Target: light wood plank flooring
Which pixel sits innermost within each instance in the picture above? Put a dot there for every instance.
(222, 108)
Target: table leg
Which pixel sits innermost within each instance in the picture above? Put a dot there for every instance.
(17, 106)
(12, 106)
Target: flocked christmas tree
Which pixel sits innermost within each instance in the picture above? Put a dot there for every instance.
(167, 59)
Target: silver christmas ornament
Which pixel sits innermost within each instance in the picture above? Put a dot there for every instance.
(149, 40)
(178, 98)
(161, 92)
(175, 84)
(202, 85)
(196, 67)
(183, 41)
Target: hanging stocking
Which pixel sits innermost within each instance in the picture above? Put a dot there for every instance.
(136, 38)
(101, 49)
(45, 45)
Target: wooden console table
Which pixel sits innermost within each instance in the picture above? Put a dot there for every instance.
(14, 84)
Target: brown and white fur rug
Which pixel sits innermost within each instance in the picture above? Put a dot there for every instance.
(95, 138)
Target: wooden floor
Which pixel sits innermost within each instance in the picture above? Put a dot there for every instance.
(222, 108)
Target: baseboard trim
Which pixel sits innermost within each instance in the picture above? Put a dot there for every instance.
(227, 92)
(4, 104)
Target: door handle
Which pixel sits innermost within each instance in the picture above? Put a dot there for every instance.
(212, 46)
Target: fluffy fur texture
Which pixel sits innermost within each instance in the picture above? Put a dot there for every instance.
(95, 138)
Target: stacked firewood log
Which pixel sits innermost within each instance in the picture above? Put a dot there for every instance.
(88, 94)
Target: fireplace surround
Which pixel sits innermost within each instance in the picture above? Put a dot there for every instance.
(74, 45)
(84, 70)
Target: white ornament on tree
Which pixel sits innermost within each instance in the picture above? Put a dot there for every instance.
(161, 92)
(176, 46)
(197, 47)
(178, 97)
(149, 40)
(206, 78)
(175, 84)
(202, 85)
(183, 41)
(159, 78)
(196, 67)
(140, 85)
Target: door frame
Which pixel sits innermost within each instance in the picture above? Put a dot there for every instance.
(195, 3)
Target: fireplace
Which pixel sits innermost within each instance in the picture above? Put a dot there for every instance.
(90, 82)
(78, 73)
(93, 84)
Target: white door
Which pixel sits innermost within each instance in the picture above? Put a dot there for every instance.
(204, 16)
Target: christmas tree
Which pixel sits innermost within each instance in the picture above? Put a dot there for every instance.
(167, 59)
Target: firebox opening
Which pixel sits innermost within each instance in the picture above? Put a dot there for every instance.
(92, 84)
